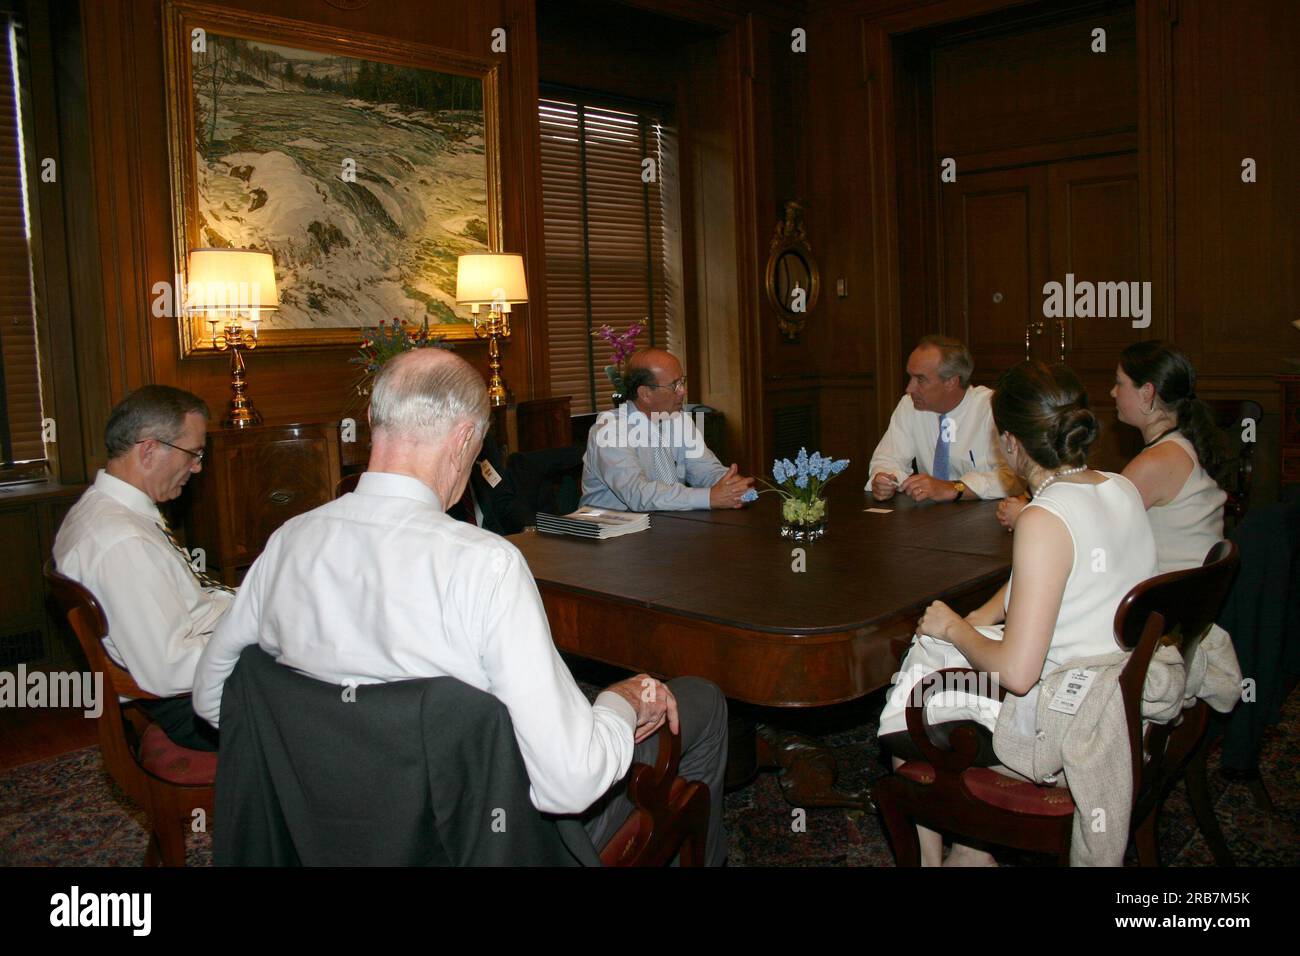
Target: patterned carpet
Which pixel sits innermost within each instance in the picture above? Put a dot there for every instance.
(66, 811)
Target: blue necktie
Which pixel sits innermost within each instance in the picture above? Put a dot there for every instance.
(941, 453)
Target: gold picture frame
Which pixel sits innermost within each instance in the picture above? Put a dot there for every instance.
(321, 268)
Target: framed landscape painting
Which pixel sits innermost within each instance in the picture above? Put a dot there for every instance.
(365, 165)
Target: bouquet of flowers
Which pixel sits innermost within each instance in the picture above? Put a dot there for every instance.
(385, 341)
(800, 484)
(621, 349)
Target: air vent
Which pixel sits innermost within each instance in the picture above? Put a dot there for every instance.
(794, 427)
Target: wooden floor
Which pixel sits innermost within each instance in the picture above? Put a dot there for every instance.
(28, 734)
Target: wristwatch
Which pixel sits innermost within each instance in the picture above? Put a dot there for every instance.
(961, 490)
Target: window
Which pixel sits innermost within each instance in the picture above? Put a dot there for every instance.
(613, 251)
(22, 448)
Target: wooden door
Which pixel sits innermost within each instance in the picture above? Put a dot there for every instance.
(995, 251)
(1093, 225)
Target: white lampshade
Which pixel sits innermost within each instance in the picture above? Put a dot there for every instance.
(231, 280)
(490, 277)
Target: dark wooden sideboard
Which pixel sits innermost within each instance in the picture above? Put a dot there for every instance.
(254, 480)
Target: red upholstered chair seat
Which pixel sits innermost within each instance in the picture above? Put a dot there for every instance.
(1018, 796)
(174, 763)
(999, 790)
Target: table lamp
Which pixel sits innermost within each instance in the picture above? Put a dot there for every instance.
(224, 285)
(497, 281)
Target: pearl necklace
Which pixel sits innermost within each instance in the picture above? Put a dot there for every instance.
(1059, 474)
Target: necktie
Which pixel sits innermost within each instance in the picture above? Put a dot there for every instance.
(665, 463)
(205, 580)
(941, 452)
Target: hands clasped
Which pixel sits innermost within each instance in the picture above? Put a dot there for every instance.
(653, 701)
(917, 487)
(730, 489)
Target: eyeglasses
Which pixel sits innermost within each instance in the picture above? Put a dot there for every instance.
(197, 455)
(679, 384)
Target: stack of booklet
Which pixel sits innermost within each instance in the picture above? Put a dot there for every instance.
(594, 523)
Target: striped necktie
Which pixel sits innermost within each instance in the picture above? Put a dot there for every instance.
(941, 452)
(664, 462)
(205, 580)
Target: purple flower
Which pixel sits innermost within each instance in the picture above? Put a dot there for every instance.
(801, 481)
(749, 495)
(779, 471)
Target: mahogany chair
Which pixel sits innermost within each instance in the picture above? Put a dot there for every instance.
(1239, 469)
(944, 792)
(169, 781)
(671, 814)
(347, 484)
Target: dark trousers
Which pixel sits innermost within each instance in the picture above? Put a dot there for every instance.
(176, 717)
(702, 711)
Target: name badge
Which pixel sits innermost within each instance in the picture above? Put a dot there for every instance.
(489, 473)
(1071, 692)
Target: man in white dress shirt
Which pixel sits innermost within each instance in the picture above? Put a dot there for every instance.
(114, 541)
(382, 585)
(946, 424)
(647, 455)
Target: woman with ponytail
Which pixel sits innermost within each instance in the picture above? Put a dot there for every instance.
(1056, 607)
(1155, 392)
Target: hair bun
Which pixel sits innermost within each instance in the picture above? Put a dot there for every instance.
(1076, 430)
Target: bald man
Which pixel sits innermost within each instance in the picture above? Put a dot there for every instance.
(332, 597)
(647, 455)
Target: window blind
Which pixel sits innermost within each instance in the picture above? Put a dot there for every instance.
(20, 397)
(611, 238)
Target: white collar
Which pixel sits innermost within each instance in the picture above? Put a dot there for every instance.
(125, 493)
(390, 485)
(957, 409)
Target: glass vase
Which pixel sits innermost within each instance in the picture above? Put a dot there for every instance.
(803, 520)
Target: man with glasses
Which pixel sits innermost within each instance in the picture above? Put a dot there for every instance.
(161, 609)
(647, 455)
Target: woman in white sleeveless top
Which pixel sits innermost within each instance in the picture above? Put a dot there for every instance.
(1080, 546)
(1155, 392)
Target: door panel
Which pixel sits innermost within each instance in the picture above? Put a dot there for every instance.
(995, 258)
(1094, 237)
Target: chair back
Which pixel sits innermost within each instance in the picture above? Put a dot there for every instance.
(347, 484)
(1175, 608)
(1239, 468)
(302, 761)
(548, 479)
(669, 815)
(120, 726)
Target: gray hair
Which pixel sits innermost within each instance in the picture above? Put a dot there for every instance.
(954, 357)
(424, 393)
(153, 411)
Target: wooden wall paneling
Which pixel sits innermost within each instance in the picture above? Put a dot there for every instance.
(114, 45)
(1155, 25)
(1042, 85)
(878, 74)
(1237, 96)
(717, 244)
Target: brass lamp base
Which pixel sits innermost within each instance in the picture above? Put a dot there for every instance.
(494, 330)
(241, 414)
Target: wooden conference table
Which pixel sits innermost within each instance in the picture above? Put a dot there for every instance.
(721, 595)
